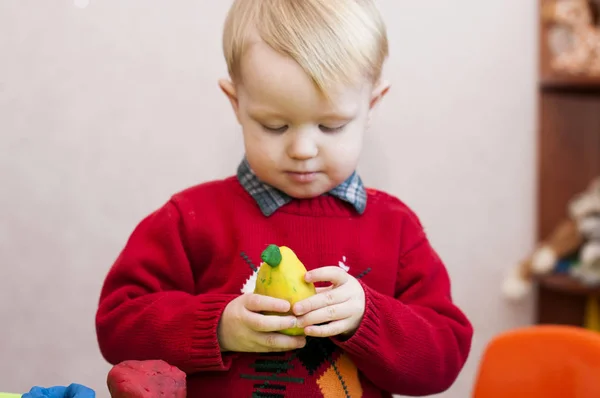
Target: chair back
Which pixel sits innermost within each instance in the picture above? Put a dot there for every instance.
(549, 361)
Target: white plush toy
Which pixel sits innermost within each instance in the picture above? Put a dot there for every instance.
(578, 234)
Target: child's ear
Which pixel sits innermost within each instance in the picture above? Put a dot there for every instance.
(228, 88)
(378, 93)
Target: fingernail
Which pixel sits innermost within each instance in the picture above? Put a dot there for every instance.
(298, 309)
(293, 322)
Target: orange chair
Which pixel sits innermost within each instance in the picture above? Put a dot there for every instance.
(549, 361)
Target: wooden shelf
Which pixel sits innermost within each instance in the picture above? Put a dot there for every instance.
(568, 158)
(565, 284)
(570, 82)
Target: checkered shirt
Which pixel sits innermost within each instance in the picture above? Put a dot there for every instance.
(270, 199)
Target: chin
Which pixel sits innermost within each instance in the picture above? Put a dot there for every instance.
(305, 193)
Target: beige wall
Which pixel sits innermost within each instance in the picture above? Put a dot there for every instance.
(106, 110)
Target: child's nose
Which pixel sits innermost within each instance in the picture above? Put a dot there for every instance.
(302, 146)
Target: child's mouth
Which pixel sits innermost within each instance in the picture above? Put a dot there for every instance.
(303, 177)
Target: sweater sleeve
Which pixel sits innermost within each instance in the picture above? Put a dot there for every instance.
(421, 338)
(148, 309)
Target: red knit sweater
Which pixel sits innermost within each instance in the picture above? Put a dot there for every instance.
(185, 262)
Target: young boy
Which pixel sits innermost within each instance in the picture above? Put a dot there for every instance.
(305, 77)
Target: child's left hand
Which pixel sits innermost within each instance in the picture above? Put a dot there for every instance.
(335, 310)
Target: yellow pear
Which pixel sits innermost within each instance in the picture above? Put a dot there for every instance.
(281, 275)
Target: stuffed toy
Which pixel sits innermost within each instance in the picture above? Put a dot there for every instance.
(587, 209)
(576, 236)
(574, 36)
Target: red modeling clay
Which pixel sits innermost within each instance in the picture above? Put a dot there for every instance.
(146, 379)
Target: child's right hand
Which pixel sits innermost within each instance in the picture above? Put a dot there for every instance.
(243, 328)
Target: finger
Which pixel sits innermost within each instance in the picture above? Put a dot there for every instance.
(280, 342)
(328, 330)
(326, 314)
(334, 275)
(322, 289)
(321, 300)
(259, 303)
(268, 323)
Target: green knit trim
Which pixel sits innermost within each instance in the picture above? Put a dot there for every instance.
(267, 384)
(274, 377)
(265, 365)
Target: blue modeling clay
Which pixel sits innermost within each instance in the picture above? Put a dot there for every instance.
(72, 391)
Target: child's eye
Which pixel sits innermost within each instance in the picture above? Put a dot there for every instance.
(326, 129)
(281, 129)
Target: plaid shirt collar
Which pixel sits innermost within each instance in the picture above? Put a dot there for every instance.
(270, 199)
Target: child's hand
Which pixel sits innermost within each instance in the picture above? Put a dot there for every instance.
(340, 307)
(244, 329)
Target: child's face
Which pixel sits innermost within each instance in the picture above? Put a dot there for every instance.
(295, 139)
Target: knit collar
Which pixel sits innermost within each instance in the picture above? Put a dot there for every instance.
(270, 199)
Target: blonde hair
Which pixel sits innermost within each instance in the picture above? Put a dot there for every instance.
(334, 41)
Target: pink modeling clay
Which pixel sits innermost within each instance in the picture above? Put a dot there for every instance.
(146, 379)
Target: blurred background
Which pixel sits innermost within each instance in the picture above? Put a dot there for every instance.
(107, 107)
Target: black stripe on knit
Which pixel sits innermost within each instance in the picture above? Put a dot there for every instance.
(267, 395)
(363, 274)
(249, 261)
(268, 384)
(273, 377)
(335, 369)
(271, 387)
(270, 366)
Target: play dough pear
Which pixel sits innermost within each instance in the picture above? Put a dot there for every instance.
(281, 275)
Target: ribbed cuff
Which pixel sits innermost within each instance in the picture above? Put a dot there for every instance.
(364, 341)
(205, 350)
